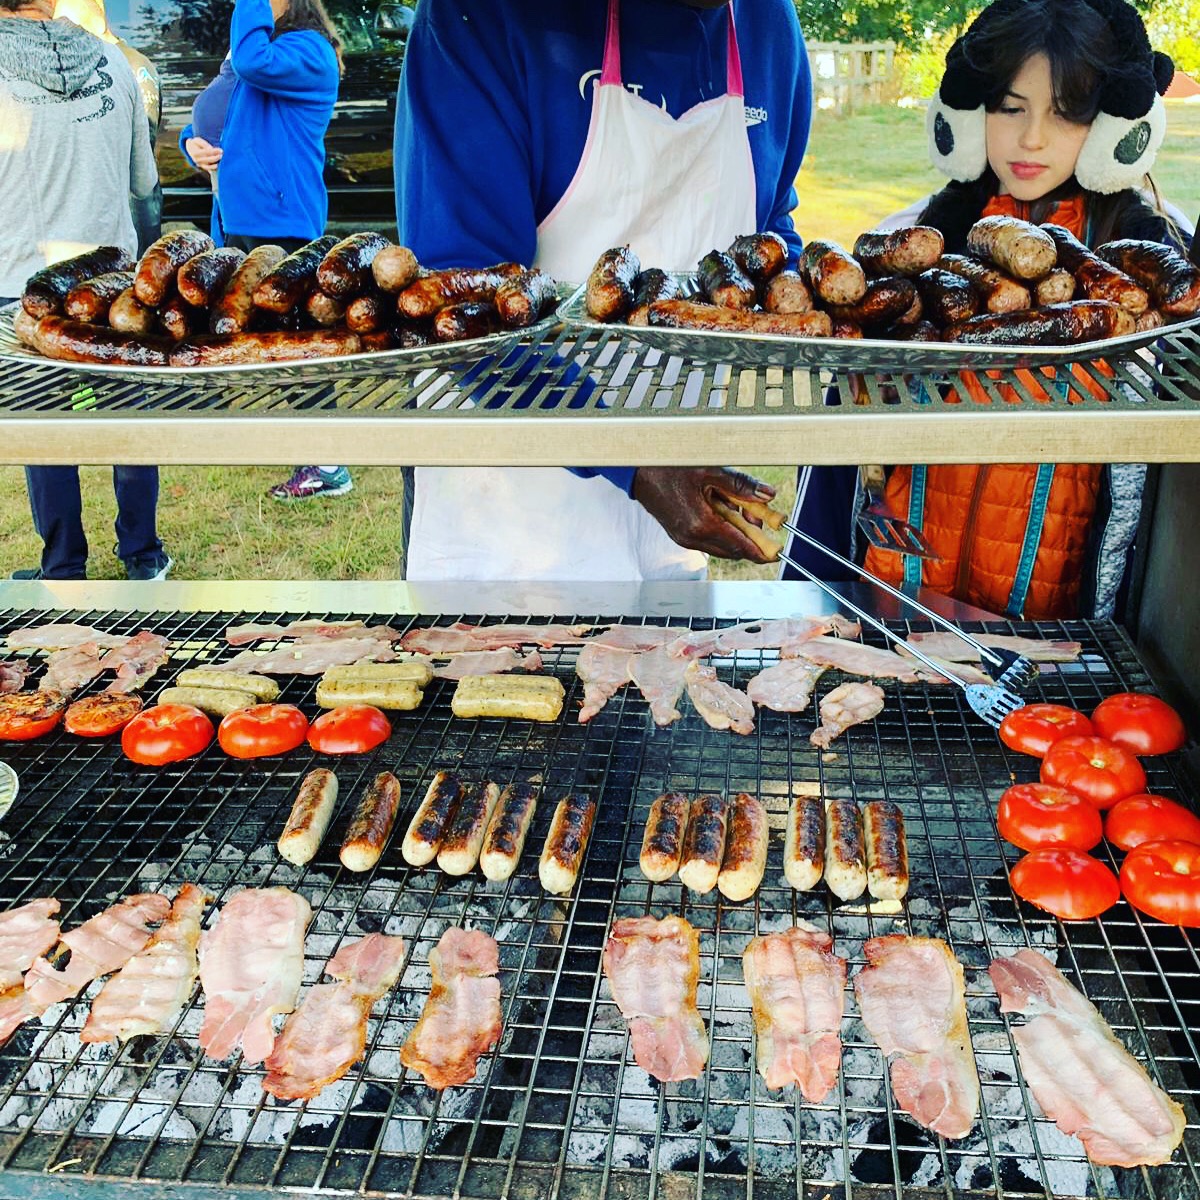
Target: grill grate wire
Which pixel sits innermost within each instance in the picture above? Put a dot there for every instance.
(561, 1110)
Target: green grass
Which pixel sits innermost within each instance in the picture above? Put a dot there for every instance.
(218, 524)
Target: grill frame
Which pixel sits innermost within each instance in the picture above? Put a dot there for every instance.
(953, 759)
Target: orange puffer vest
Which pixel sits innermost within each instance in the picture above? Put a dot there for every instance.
(1012, 536)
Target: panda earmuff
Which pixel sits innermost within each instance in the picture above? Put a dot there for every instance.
(1123, 141)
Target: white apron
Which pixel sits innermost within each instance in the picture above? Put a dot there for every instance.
(673, 188)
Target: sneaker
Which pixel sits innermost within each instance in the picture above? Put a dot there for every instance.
(27, 573)
(307, 482)
(154, 565)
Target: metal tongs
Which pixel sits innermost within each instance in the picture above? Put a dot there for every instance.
(993, 702)
(882, 528)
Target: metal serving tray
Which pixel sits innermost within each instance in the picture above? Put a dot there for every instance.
(854, 354)
(560, 1110)
(317, 370)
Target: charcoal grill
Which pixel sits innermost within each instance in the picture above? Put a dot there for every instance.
(560, 1111)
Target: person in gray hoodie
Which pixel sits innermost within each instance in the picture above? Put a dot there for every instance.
(74, 152)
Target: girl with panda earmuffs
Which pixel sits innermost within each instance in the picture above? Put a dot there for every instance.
(1050, 111)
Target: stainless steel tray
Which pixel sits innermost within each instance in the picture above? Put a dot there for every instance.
(865, 354)
(324, 370)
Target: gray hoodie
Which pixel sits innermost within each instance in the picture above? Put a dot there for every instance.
(74, 146)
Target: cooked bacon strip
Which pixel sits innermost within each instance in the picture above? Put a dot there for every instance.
(310, 658)
(720, 704)
(653, 967)
(60, 637)
(847, 704)
(760, 635)
(26, 933)
(12, 675)
(603, 670)
(327, 1034)
(460, 637)
(488, 662)
(633, 637)
(73, 668)
(796, 985)
(251, 965)
(787, 686)
(951, 648)
(659, 677)
(1085, 1080)
(461, 1018)
(856, 658)
(150, 989)
(913, 1004)
(308, 631)
(136, 661)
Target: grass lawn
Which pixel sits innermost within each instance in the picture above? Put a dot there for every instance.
(217, 523)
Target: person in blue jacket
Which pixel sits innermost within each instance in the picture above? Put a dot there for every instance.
(286, 62)
(545, 134)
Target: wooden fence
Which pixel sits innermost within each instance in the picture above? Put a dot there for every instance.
(847, 75)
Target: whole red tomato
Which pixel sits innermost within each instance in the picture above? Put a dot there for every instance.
(1095, 768)
(1162, 879)
(262, 729)
(1138, 819)
(351, 729)
(1036, 727)
(1032, 815)
(165, 734)
(27, 715)
(1066, 882)
(1141, 723)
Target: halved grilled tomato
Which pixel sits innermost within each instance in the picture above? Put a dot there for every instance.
(1066, 882)
(261, 730)
(1036, 727)
(1162, 879)
(165, 734)
(1099, 770)
(27, 715)
(1146, 818)
(1141, 723)
(1032, 815)
(351, 729)
(101, 714)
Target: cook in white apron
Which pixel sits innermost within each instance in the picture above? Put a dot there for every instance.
(673, 188)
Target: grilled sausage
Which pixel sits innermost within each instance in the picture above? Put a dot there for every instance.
(704, 843)
(471, 319)
(177, 319)
(399, 695)
(525, 298)
(843, 328)
(366, 314)
(946, 298)
(760, 255)
(787, 293)
(651, 285)
(745, 857)
(1150, 319)
(157, 268)
(907, 251)
(804, 843)
(688, 314)
(429, 294)
(610, 284)
(1172, 281)
(507, 830)
(413, 336)
(203, 278)
(431, 819)
(74, 341)
(996, 291)
(461, 843)
(833, 275)
(662, 843)
(233, 310)
(1055, 288)
(1013, 245)
(416, 670)
(127, 314)
(913, 313)
(725, 283)
(883, 302)
(381, 339)
(922, 331)
(216, 701)
(345, 271)
(309, 818)
(47, 289)
(887, 850)
(276, 346)
(263, 689)
(1054, 325)
(91, 300)
(324, 310)
(25, 327)
(394, 268)
(371, 825)
(293, 277)
(1097, 279)
(562, 855)
(845, 859)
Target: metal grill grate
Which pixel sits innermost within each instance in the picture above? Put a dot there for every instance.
(561, 1110)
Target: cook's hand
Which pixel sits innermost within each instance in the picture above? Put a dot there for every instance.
(203, 153)
(678, 498)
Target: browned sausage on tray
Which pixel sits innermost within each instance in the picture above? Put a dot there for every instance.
(394, 268)
(1013, 245)
(651, 286)
(129, 315)
(345, 271)
(835, 276)
(367, 314)
(177, 319)
(234, 308)
(946, 297)
(459, 285)
(883, 302)
(610, 284)
(76, 341)
(471, 319)
(525, 298)
(291, 279)
(1055, 325)
(1098, 279)
(725, 283)
(996, 291)
(237, 349)
(687, 314)
(46, 290)
(1172, 281)
(760, 255)
(90, 301)
(907, 251)
(203, 278)
(156, 269)
(787, 293)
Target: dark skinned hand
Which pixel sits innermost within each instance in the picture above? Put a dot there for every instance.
(678, 499)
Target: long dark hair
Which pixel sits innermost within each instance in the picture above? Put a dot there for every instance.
(1082, 51)
(311, 14)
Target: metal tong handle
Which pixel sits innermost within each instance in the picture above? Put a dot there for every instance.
(937, 618)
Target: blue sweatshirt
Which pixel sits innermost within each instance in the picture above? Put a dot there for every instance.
(272, 172)
(495, 100)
